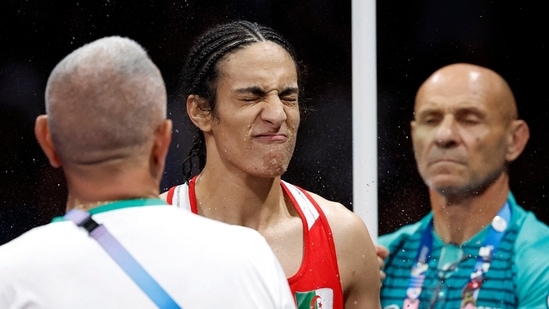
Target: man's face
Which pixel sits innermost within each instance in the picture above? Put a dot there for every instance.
(459, 134)
(257, 110)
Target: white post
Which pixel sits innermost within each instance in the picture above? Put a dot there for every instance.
(365, 113)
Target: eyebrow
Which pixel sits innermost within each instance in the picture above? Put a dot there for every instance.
(289, 90)
(259, 91)
(425, 112)
(458, 111)
(470, 110)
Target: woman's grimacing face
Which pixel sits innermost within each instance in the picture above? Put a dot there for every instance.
(257, 115)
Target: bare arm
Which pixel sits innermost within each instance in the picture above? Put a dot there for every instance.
(356, 254)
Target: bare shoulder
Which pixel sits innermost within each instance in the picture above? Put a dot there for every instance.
(347, 227)
(341, 219)
(356, 254)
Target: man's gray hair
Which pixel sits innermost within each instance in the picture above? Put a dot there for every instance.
(104, 101)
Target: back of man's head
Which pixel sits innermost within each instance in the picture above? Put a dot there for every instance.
(104, 102)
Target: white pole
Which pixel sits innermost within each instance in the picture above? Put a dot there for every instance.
(365, 113)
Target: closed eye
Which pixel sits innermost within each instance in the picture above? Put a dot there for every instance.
(251, 99)
(289, 99)
(289, 95)
(470, 116)
(250, 94)
(470, 120)
(430, 119)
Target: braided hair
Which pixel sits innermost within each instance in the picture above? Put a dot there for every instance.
(200, 72)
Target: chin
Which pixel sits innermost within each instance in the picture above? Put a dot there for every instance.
(461, 191)
(275, 171)
(447, 190)
(446, 187)
(268, 171)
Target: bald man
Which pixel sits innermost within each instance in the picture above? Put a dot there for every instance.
(106, 126)
(477, 248)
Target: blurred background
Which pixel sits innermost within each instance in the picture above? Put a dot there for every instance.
(414, 39)
(417, 37)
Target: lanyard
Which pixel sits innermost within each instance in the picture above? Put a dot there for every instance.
(118, 253)
(471, 290)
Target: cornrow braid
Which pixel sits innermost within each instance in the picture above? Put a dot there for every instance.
(200, 72)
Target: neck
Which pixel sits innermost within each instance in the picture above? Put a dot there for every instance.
(91, 205)
(457, 220)
(241, 201)
(89, 190)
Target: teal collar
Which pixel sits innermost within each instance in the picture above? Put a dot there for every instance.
(119, 205)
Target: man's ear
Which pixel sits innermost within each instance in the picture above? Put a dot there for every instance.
(161, 146)
(517, 139)
(42, 133)
(199, 112)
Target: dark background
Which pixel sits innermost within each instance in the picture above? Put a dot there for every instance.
(414, 38)
(417, 37)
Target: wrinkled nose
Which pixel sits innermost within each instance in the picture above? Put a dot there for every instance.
(273, 111)
(446, 133)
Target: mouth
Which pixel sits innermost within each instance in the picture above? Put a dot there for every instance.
(272, 137)
(445, 161)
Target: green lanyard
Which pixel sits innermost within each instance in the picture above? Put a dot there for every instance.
(470, 291)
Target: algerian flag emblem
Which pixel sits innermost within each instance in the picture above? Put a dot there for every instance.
(317, 299)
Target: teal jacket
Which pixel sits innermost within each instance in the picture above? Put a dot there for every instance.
(518, 276)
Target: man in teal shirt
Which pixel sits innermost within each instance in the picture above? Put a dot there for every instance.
(477, 248)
